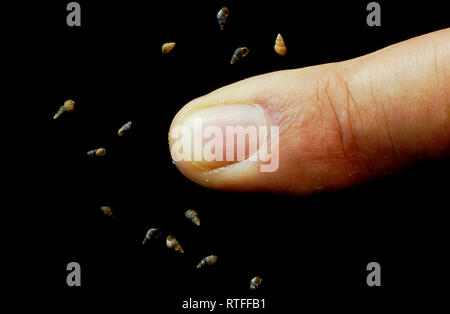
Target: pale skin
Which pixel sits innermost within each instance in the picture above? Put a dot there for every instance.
(341, 124)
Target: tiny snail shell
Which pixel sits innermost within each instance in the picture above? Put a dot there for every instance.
(97, 152)
(192, 215)
(68, 106)
(280, 46)
(255, 282)
(238, 54)
(167, 47)
(108, 212)
(222, 16)
(152, 233)
(209, 260)
(124, 128)
(172, 243)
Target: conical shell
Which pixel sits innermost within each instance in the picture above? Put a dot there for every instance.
(209, 260)
(124, 128)
(192, 215)
(167, 47)
(152, 233)
(255, 282)
(238, 54)
(68, 106)
(280, 46)
(222, 16)
(172, 243)
(108, 212)
(100, 152)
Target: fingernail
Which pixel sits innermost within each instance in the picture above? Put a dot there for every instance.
(218, 136)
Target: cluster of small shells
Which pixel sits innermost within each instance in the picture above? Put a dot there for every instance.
(69, 106)
(173, 244)
(239, 53)
(190, 214)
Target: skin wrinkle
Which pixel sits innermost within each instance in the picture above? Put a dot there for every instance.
(380, 106)
(349, 120)
(280, 118)
(436, 63)
(288, 119)
(362, 130)
(390, 100)
(339, 129)
(356, 109)
(385, 119)
(325, 129)
(368, 116)
(319, 104)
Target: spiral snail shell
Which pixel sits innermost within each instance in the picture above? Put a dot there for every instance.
(172, 243)
(238, 54)
(107, 211)
(208, 260)
(222, 16)
(280, 46)
(192, 215)
(97, 152)
(152, 233)
(255, 282)
(167, 47)
(68, 106)
(124, 128)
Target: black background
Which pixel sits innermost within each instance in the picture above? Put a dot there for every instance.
(310, 251)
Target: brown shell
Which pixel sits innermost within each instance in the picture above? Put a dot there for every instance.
(280, 46)
(68, 106)
(238, 54)
(192, 215)
(124, 128)
(167, 47)
(208, 260)
(100, 152)
(172, 243)
(255, 282)
(106, 210)
(222, 16)
(152, 233)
